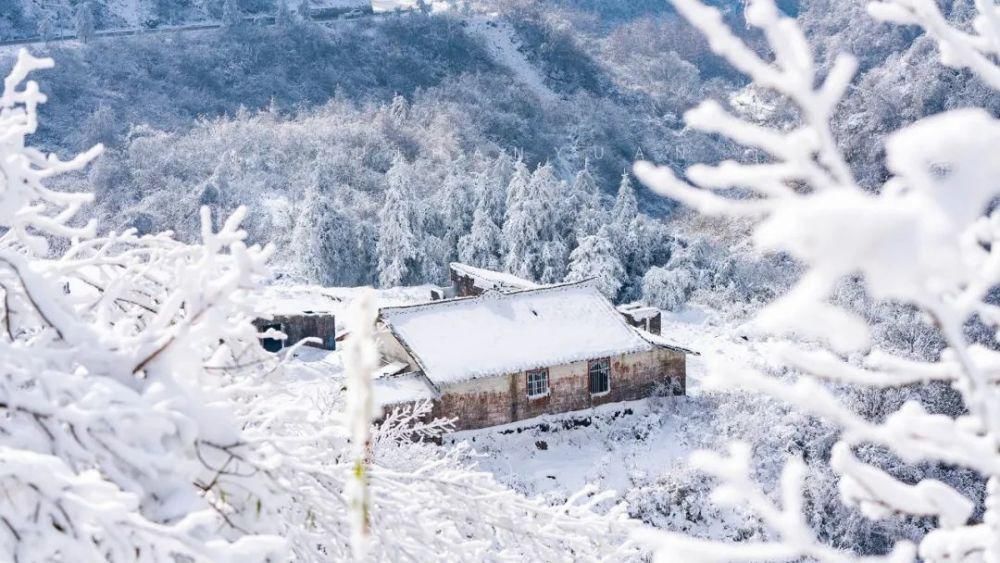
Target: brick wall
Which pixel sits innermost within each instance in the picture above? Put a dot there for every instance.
(503, 399)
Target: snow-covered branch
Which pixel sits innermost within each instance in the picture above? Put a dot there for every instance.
(141, 420)
(978, 51)
(929, 238)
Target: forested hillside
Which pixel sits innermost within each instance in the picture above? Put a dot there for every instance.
(220, 117)
(447, 129)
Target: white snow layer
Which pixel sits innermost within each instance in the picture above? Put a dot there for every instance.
(495, 333)
(296, 300)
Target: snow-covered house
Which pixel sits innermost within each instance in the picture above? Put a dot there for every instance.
(501, 357)
(290, 314)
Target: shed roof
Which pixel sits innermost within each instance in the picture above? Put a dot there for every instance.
(296, 300)
(489, 279)
(498, 333)
(639, 311)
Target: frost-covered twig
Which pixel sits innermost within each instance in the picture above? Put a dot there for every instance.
(977, 51)
(795, 540)
(928, 239)
(141, 420)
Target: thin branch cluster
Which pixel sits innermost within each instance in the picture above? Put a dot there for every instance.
(140, 419)
(929, 238)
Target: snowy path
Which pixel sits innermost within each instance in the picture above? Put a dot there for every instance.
(499, 39)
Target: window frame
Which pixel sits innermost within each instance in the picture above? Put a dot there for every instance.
(544, 372)
(596, 364)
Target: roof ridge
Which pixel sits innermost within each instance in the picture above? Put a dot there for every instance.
(486, 295)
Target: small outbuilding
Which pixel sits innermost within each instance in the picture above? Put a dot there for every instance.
(289, 315)
(469, 281)
(504, 356)
(642, 316)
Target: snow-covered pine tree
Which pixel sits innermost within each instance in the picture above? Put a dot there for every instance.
(555, 255)
(323, 243)
(626, 230)
(552, 194)
(595, 257)
(585, 200)
(397, 246)
(626, 207)
(456, 207)
(492, 185)
(481, 246)
(517, 186)
(531, 224)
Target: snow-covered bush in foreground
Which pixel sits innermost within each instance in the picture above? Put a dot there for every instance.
(929, 239)
(140, 420)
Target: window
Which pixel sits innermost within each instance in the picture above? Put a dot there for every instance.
(272, 344)
(538, 383)
(600, 376)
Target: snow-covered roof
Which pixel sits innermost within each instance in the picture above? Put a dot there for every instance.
(296, 300)
(488, 279)
(639, 311)
(498, 333)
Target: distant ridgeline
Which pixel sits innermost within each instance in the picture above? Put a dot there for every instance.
(28, 20)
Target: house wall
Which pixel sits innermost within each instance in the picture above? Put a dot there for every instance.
(297, 327)
(503, 399)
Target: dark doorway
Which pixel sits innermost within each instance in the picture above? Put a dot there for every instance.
(272, 344)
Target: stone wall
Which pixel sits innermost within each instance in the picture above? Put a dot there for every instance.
(297, 327)
(503, 399)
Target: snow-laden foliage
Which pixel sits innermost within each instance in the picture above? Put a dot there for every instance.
(112, 427)
(142, 420)
(595, 258)
(927, 239)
